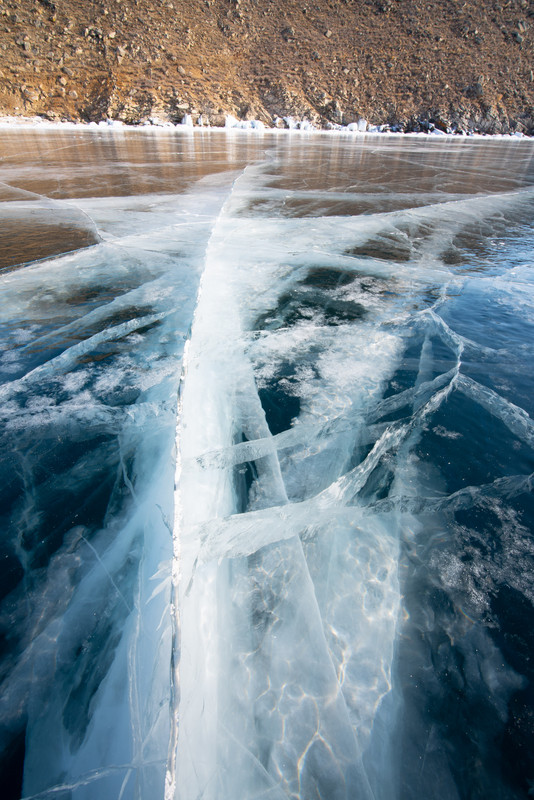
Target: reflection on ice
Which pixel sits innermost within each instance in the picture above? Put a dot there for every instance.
(324, 590)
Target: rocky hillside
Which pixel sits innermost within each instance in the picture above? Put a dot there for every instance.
(464, 64)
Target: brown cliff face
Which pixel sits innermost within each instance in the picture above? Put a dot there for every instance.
(403, 62)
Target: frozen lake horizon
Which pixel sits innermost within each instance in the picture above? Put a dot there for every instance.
(267, 460)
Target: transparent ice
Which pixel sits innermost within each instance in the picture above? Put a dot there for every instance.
(269, 462)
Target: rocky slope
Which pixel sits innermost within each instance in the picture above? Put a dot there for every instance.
(466, 65)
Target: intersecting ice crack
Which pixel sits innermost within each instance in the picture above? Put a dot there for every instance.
(244, 534)
(90, 778)
(307, 433)
(43, 201)
(69, 356)
(105, 569)
(332, 375)
(516, 419)
(466, 498)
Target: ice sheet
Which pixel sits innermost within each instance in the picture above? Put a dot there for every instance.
(267, 470)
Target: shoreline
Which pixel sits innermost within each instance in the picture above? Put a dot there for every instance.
(288, 125)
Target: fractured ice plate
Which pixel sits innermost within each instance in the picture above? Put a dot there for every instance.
(32, 231)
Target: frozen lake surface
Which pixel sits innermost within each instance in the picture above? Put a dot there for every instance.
(267, 457)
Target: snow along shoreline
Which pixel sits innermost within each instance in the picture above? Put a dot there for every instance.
(284, 126)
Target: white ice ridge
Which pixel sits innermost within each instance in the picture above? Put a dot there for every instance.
(214, 370)
(283, 674)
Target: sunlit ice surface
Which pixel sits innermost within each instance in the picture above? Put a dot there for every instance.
(267, 457)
